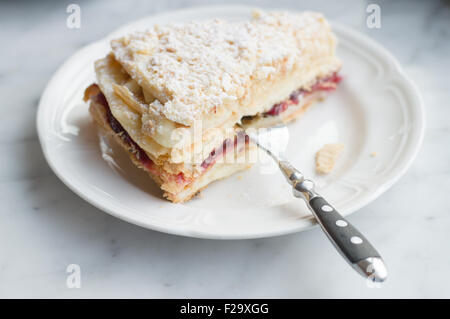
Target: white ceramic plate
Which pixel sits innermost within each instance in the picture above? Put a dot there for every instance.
(376, 109)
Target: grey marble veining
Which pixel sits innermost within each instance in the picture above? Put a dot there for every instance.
(44, 226)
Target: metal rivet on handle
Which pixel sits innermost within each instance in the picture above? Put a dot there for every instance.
(341, 223)
(356, 240)
(327, 208)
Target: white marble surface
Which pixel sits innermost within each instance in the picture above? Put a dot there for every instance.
(44, 226)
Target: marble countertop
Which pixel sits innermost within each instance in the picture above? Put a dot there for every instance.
(44, 227)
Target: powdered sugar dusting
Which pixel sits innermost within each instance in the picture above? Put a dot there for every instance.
(196, 67)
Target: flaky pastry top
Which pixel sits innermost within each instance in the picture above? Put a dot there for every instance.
(190, 70)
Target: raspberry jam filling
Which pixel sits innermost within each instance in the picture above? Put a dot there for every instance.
(240, 138)
(326, 84)
(118, 129)
(143, 158)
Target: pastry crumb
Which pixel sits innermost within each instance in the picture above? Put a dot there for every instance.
(327, 156)
(239, 177)
(373, 154)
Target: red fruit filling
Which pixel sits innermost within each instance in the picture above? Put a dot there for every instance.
(118, 128)
(240, 137)
(143, 157)
(326, 84)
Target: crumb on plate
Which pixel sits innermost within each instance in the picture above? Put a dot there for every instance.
(327, 156)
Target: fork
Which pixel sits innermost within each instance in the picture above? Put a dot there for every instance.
(349, 242)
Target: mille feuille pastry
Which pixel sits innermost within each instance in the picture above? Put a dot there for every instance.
(172, 95)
